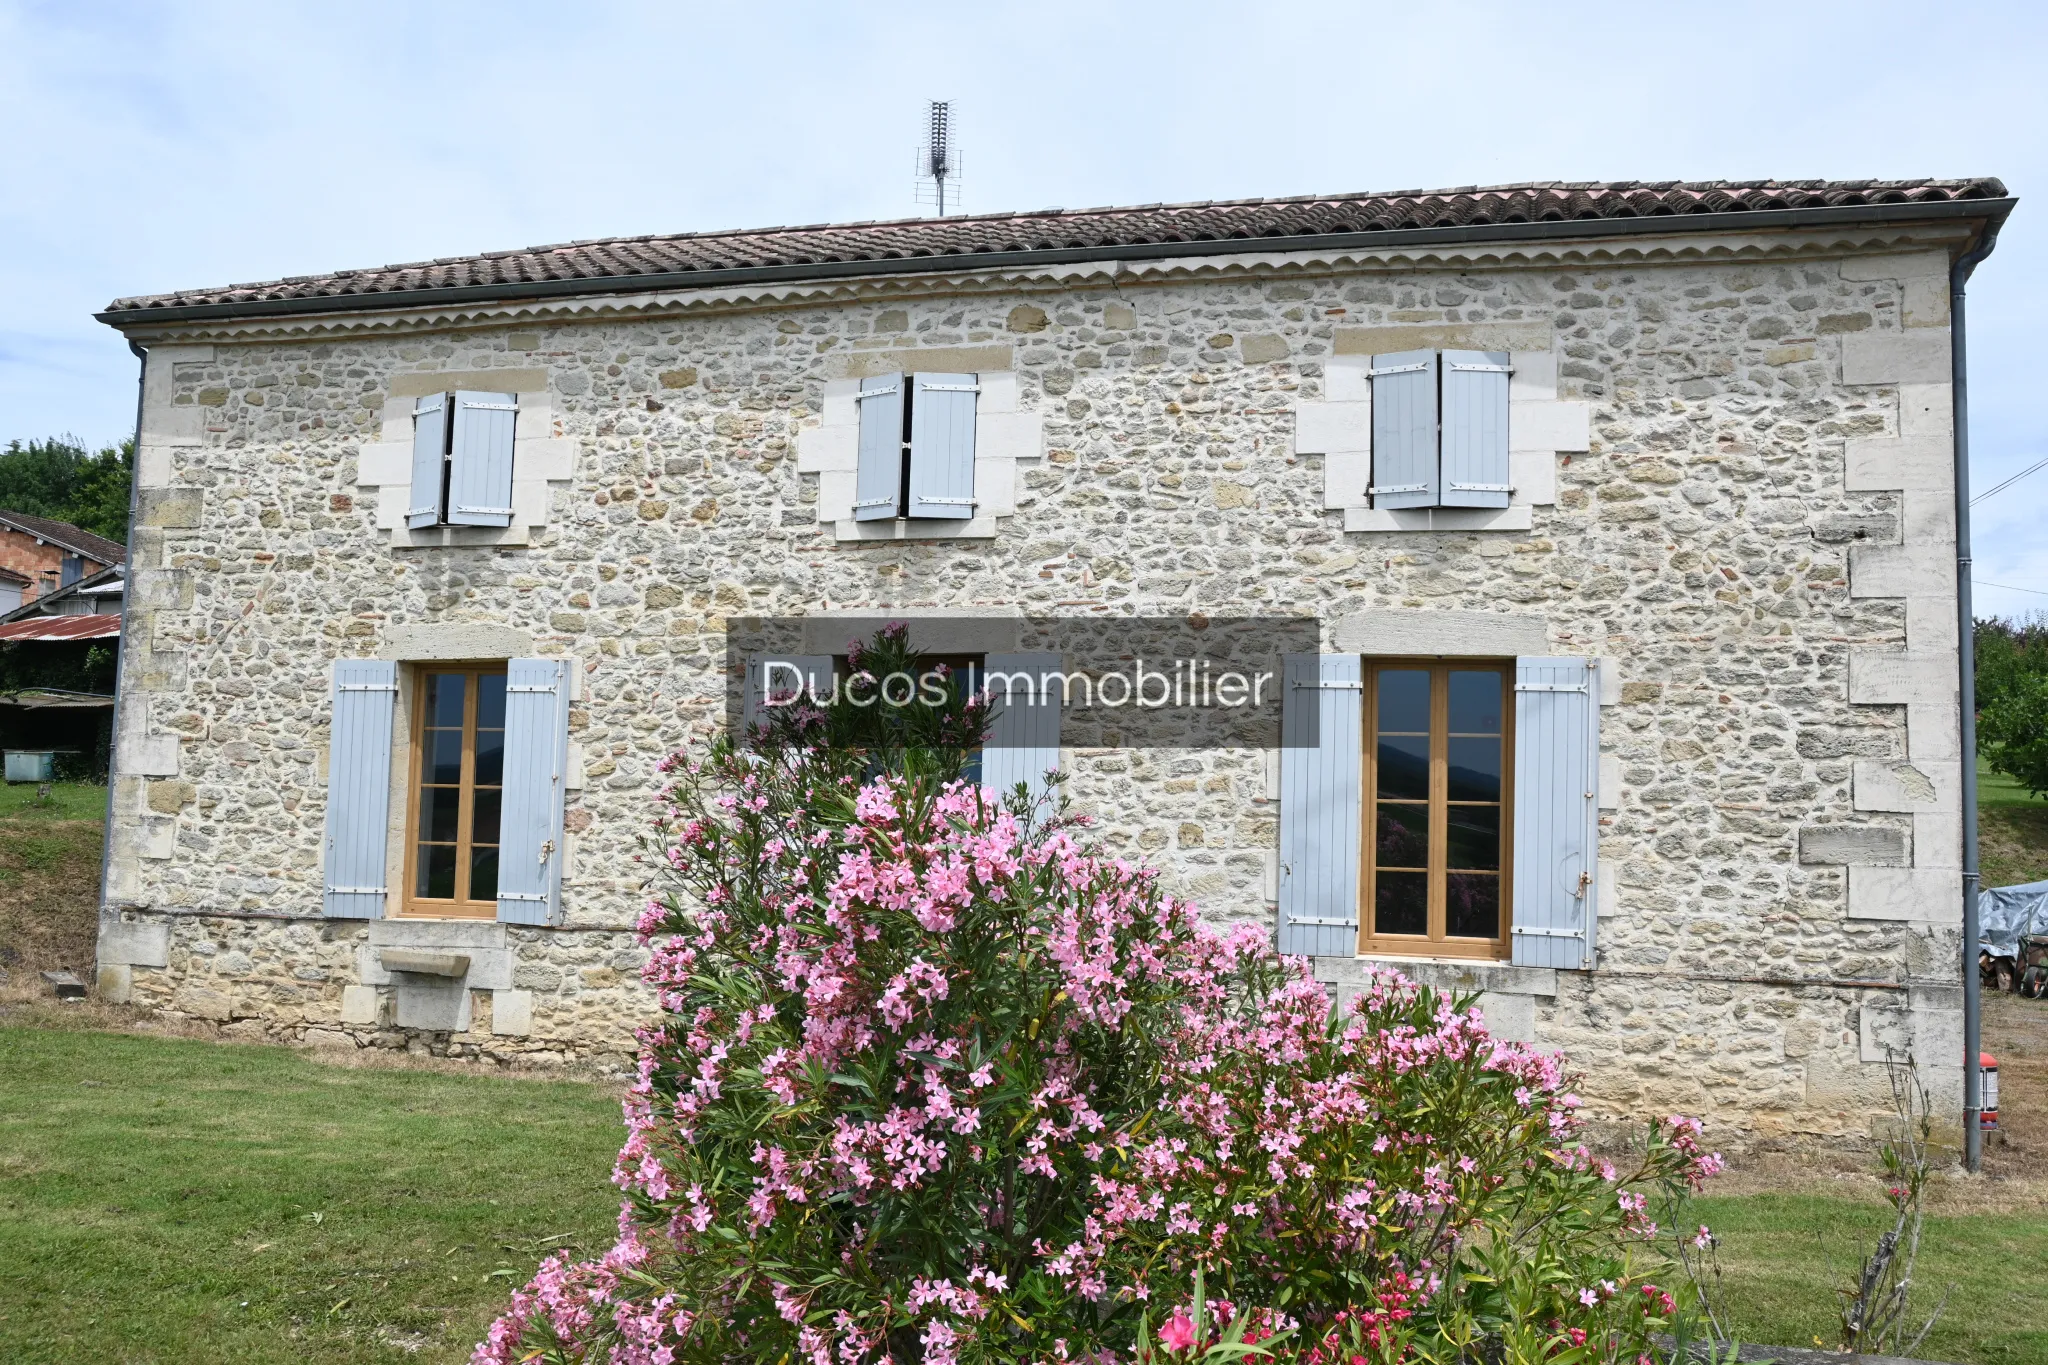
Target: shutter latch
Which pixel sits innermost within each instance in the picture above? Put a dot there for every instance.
(547, 851)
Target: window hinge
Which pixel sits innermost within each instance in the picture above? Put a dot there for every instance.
(422, 511)
(1483, 369)
(1482, 488)
(519, 896)
(873, 393)
(950, 388)
(875, 502)
(366, 687)
(950, 502)
(1398, 488)
(355, 891)
(1324, 685)
(492, 407)
(1550, 687)
(486, 511)
(522, 687)
(1550, 933)
(1398, 369)
(1324, 920)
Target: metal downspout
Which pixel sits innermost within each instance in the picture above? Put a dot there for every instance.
(141, 354)
(1966, 696)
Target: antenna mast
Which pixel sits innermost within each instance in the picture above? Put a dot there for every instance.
(938, 161)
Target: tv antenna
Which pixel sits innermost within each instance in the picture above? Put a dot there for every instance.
(938, 160)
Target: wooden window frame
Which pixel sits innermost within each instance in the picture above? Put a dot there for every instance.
(1436, 944)
(415, 906)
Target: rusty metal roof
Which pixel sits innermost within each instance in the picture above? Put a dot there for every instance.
(826, 250)
(98, 626)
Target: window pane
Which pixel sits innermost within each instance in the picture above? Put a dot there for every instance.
(444, 757)
(490, 701)
(445, 695)
(483, 874)
(1404, 767)
(1472, 905)
(1401, 903)
(1404, 700)
(436, 871)
(1402, 839)
(483, 824)
(1474, 770)
(440, 813)
(1474, 837)
(1475, 703)
(490, 758)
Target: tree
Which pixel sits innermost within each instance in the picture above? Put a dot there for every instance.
(61, 480)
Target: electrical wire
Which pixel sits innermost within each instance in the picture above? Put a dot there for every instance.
(2000, 488)
(1982, 583)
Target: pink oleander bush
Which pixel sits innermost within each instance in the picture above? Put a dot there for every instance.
(933, 1081)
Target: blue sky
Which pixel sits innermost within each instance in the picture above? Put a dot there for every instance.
(165, 145)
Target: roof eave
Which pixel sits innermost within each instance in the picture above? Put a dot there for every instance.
(1993, 211)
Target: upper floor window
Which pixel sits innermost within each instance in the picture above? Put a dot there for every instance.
(916, 447)
(1440, 429)
(462, 459)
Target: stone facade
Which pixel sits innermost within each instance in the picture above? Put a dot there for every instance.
(1745, 512)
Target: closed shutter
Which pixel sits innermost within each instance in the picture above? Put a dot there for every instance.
(878, 480)
(1024, 737)
(1557, 816)
(1475, 421)
(1321, 774)
(480, 459)
(536, 773)
(429, 451)
(783, 674)
(942, 445)
(1404, 464)
(359, 787)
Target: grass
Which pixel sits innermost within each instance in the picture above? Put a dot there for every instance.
(167, 1200)
(50, 876)
(1996, 789)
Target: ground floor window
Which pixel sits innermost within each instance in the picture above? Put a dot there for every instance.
(457, 774)
(1438, 759)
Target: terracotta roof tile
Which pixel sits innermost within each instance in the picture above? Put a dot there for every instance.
(617, 261)
(64, 534)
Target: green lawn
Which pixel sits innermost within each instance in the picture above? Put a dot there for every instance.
(1785, 1255)
(68, 801)
(1996, 789)
(171, 1201)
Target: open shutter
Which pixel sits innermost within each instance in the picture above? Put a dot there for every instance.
(429, 450)
(878, 482)
(781, 675)
(1557, 815)
(1404, 464)
(1024, 737)
(1321, 774)
(1475, 441)
(942, 445)
(480, 459)
(536, 773)
(359, 787)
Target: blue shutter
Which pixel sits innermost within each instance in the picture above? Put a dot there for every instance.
(942, 445)
(429, 449)
(1557, 811)
(536, 773)
(1475, 440)
(782, 672)
(1024, 737)
(878, 482)
(480, 460)
(359, 787)
(1322, 701)
(1404, 464)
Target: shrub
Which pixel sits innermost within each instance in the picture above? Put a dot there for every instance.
(933, 1082)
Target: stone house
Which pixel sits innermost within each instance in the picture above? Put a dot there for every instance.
(1620, 517)
(39, 556)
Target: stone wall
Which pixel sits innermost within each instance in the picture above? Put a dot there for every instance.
(1752, 540)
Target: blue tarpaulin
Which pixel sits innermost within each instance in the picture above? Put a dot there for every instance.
(2006, 913)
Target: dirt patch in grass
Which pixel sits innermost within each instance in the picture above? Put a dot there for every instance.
(2012, 843)
(49, 879)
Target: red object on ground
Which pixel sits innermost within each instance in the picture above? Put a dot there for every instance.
(1988, 1094)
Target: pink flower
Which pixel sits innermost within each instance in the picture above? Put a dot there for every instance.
(1179, 1332)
